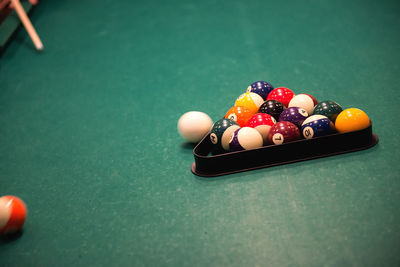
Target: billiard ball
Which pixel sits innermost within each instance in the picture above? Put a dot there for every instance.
(194, 125)
(261, 88)
(221, 133)
(282, 94)
(262, 123)
(328, 108)
(272, 107)
(352, 119)
(239, 114)
(304, 101)
(245, 138)
(252, 101)
(12, 214)
(283, 132)
(317, 125)
(294, 115)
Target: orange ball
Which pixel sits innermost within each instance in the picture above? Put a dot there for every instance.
(352, 119)
(12, 214)
(239, 114)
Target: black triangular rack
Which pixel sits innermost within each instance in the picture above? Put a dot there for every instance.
(207, 164)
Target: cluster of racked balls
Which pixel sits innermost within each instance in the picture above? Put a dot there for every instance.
(267, 116)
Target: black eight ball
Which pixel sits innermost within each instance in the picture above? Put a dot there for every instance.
(272, 107)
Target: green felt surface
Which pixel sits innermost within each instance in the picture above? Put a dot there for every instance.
(88, 134)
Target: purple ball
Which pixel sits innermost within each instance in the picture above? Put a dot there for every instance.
(244, 139)
(294, 115)
(234, 144)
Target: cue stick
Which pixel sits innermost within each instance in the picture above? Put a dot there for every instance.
(27, 24)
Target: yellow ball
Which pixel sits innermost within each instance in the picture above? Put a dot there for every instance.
(352, 119)
(252, 101)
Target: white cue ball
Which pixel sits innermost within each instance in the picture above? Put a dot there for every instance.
(194, 125)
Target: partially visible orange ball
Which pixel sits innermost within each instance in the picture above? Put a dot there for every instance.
(12, 214)
(352, 119)
(239, 114)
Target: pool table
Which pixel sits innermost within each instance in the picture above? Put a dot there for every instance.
(88, 135)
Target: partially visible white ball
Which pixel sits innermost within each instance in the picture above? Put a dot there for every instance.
(194, 125)
(304, 101)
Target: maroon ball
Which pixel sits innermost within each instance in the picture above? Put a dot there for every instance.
(283, 132)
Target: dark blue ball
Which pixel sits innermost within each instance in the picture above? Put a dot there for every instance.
(261, 88)
(317, 125)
